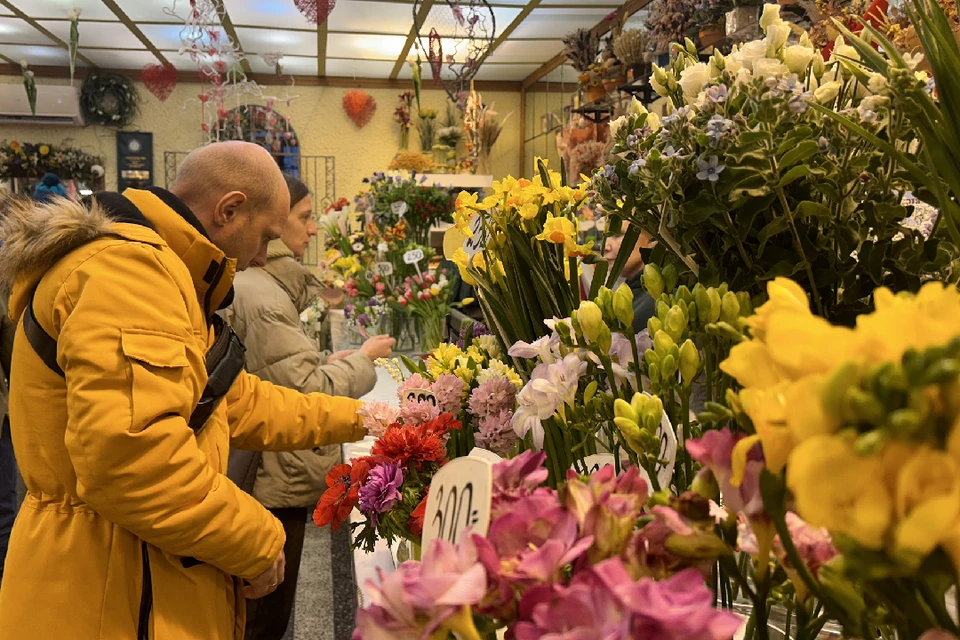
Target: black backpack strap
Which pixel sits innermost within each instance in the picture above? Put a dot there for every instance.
(41, 341)
(225, 361)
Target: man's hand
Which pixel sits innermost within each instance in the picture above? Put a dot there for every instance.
(340, 355)
(378, 347)
(266, 582)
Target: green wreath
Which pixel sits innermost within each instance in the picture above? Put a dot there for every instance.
(108, 99)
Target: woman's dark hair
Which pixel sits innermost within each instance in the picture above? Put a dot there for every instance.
(298, 190)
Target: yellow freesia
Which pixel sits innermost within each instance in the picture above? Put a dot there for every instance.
(751, 364)
(927, 502)
(768, 411)
(784, 295)
(802, 344)
(840, 490)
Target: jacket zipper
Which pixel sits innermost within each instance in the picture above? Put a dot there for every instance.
(146, 596)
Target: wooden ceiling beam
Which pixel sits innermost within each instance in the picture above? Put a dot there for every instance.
(36, 25)
(322, 49)
(13, 69)
(411, 37)
(135, 30)
(231, 32)
(600, 29)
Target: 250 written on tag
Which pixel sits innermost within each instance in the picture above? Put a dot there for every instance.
(459, 501)
(413, 256)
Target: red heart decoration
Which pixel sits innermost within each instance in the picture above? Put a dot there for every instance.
(160, 79)
(359, 106)
(316, 11)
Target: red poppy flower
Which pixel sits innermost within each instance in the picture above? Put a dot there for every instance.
(336, 503)
(442, 425)
(418, 515)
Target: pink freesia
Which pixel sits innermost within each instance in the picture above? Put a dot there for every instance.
(674, 541)
(421, 597)
(604, 602)
(714, 451)
(813, 544)
(606, 507)
(517, 478)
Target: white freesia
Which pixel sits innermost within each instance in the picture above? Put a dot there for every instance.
(805, 41)
(797, 58)
(770, 17)
(769, 68)
(828, 92)
(744, 76)
(874, 103)
(692, 80)
(912, 60)
(615, 126)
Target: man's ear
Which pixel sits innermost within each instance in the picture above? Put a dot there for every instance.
(228, 208)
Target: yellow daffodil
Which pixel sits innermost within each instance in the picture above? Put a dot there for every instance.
(559, 231)
(467, 200)
(836, 488)
(528, 211)
(460, 259)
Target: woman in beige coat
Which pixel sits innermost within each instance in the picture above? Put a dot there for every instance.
(266, 315)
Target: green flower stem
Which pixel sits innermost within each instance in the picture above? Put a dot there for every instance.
(708, 366)
(687, 460)
(799, 247)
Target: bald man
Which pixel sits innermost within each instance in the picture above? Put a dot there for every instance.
(127, 392)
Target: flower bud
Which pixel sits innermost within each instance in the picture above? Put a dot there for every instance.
(653, 281)
(819, 66)
(676, 323)
(702, 299)
(716, 304)
(860, 406)
(654, 326)
(662, 309)
(651, 357)
(623, 305)
(705, 484)
(746, 304)
(668, 367)
(835, 389)
(689, 362)
(670, 277)
(591, 319)
(604, 339)
(589, 392)
(624, 409)
(663, 343)
(604, 300)
(683, 293)
(729, 308)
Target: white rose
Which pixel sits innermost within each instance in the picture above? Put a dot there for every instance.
(828, 92)
(616, 124)
(843, 51)
(744, 76)
(769, 68)
(776, 38)
(692, 80)
(636, 108)
(797, 58)
(749, 53)
(770, 17)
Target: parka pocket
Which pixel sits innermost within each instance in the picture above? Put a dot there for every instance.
(159, 366)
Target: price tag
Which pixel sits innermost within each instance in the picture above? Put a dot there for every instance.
(459, 500)
(413, 256)
(486, 454)
(598, 461)
(383, 268)
(419, 395)
(474, 245)
(399, 208)
(357, 247)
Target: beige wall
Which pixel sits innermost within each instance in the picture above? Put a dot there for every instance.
(317, 116)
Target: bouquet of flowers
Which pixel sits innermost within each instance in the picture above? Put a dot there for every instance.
(389, 486)
(469, 379)
(398, 196)
(366, 308)
(27, 159)
(750, 178)
(401, 115)
(427, 297)
(519, 248)
(571, 563)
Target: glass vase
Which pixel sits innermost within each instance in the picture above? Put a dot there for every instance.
(431, 333)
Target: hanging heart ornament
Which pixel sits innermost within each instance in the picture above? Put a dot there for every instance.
(360, 106)
(160, 79)
(316, 11)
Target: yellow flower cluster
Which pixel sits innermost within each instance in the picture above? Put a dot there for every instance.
(516, 202)
(871, 447)
(449, 358)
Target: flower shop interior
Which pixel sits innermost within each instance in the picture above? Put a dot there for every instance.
(677, 351)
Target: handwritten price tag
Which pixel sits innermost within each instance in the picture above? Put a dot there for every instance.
(357, 247)
(474, 245)
(486, 454)
(459, 500)
(419, 395)
(399, 208)
(383, 268)
(598, 461)
(413, 256)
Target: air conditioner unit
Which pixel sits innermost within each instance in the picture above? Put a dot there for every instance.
(56, 105)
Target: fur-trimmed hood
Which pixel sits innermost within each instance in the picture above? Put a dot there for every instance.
(36, 235)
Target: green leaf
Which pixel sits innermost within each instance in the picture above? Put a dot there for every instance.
(701, 208)
(777, 225)
(629, 243)
(810, 209)
(599, 274)
(800, 171)
(752, 137)
(799, 153)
